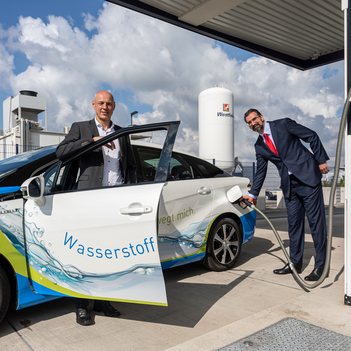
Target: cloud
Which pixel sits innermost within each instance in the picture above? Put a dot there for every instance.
(164, 67)
(6, 62)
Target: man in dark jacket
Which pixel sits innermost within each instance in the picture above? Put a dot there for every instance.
(300, 172)
(109, 165)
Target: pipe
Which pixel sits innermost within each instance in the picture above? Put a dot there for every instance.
(22, 135)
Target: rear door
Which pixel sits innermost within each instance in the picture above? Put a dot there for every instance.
(185, 213)
(185, 209)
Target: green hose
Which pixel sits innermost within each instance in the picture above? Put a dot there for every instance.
(300, 281)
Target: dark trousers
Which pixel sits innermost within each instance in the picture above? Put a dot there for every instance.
(81, 303)
(306, 200)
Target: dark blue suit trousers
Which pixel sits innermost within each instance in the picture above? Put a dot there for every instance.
(307, 200)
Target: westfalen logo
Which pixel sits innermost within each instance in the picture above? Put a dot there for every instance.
(226, 107)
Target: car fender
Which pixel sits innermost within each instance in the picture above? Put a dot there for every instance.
(222, 207)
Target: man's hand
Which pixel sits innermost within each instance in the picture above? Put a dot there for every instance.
(323, 167)
(248, 198)
(110, 145)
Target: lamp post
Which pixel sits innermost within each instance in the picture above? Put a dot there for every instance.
(131, 117)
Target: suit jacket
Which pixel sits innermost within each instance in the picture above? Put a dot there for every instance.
(293, 155)
(92, 164)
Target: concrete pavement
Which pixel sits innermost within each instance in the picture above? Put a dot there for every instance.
(207, 310)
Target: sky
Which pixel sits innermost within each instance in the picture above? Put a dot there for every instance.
(68, 50)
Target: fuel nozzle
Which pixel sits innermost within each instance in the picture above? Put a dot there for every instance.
(243, 203)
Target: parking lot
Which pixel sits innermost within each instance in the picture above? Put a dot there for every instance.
(206, 310)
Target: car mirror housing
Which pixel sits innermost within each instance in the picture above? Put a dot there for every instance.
(234, 194)
(33, 189)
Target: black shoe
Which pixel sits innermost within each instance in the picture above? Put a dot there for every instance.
(286, 270)
(315, 275)
(83, 316)
(106, 308)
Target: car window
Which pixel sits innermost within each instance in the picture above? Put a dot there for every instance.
(49, 178)
(206, 169)
(179, 169)
(67, 178)
(147, 161)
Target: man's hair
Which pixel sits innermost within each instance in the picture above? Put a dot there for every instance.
(250, 111)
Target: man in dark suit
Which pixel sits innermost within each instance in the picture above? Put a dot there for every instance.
(112, 164)
(300, 172)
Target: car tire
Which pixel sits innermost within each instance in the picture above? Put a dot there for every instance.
(223, 245)
(5, 293)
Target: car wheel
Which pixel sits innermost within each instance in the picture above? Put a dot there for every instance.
(223, 245)
(5, 292)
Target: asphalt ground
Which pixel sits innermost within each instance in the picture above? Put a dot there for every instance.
(279, 219)
(207, 310)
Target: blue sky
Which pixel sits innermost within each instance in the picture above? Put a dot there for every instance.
(67, 50)
(43, 8)
(71, 10)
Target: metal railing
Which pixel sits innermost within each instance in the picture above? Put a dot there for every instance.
(9, 150)
(272, 181)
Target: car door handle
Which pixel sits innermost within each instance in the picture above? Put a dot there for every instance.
(135, 210)
(204, 191)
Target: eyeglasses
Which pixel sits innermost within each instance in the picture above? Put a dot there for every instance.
(252, 121)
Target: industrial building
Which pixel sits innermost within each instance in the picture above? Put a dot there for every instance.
(25, 125)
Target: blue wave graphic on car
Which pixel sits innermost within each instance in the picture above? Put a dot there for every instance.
(193, 236)
(42, 259)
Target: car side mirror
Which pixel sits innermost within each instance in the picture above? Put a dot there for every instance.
(33, 189)
(234, 194)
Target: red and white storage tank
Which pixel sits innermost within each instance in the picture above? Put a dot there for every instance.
(216, 127)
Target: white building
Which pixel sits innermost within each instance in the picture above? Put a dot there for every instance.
(22, 127)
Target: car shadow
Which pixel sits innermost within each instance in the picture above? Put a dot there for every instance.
(188, 301)
(16, 320)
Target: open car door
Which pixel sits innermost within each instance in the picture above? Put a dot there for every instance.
(96, 243)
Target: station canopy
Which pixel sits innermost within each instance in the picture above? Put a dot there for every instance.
(299, 33)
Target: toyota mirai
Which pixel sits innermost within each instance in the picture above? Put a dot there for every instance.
(112, 243)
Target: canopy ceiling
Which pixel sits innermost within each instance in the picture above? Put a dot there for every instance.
(300, 33)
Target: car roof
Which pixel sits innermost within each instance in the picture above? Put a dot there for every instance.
(158, 146)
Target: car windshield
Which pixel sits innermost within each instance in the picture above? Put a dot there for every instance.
(12, 163)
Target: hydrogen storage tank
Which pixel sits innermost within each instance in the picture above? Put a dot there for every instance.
(216, 127)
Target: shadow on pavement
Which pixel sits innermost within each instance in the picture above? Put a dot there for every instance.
(188, 301)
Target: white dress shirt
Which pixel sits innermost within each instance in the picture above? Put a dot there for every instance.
(267, 130)
(112, 172)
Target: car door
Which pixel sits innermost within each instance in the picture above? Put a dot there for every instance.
(185, 213)
(97, 243)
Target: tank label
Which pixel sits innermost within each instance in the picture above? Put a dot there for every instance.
(222, 114)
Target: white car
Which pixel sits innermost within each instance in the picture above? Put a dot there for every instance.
(113, 242)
